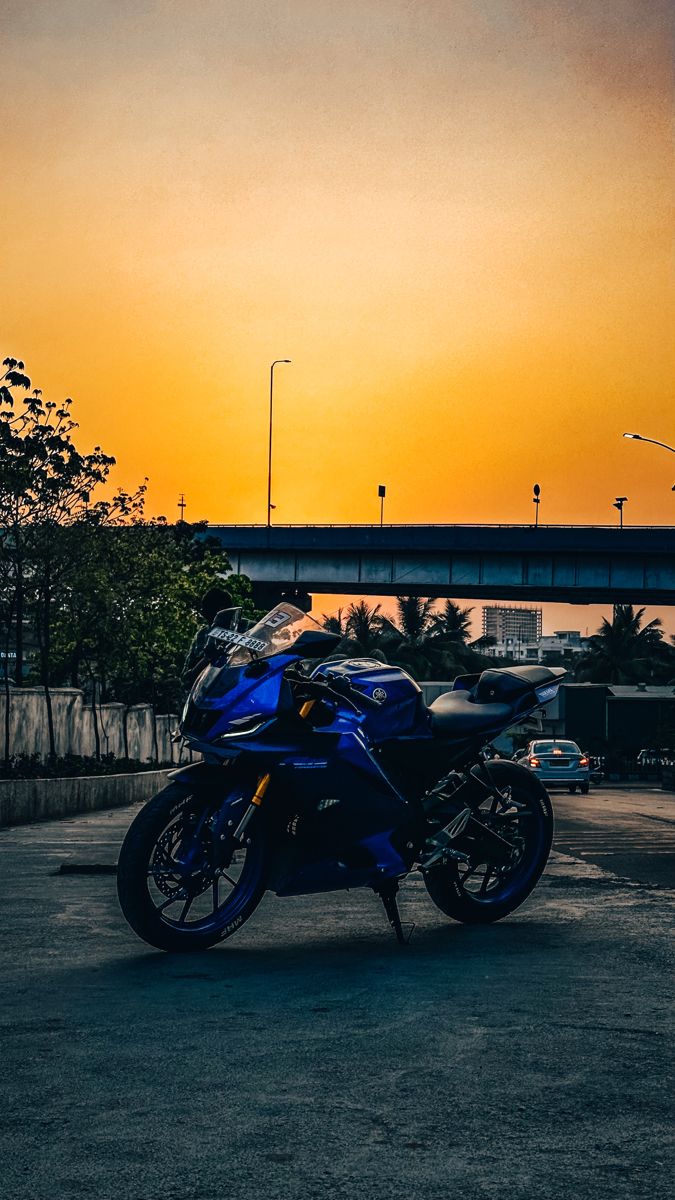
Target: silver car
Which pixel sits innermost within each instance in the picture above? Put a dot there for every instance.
(556, 761)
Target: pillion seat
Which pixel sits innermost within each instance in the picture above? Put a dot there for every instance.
(480, 703)
(456, 714)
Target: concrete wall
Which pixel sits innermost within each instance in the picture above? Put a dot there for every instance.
(125, 732)
(25, 800)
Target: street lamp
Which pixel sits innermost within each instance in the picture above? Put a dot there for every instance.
(637, 437)
(270, 506)
(619, 503)
(381, 491)
(536, 500)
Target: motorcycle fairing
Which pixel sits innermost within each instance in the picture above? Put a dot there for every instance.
(403, 711)
(344, 824)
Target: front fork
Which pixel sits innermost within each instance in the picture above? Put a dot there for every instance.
(256, 801)
(262, 786)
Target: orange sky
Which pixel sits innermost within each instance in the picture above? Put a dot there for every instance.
(454, 216)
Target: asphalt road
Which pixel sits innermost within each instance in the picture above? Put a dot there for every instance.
(310, 1057)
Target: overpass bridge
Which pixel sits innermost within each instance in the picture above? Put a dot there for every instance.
(574, 563)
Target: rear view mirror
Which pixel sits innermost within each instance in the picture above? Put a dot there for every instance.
(315, 643)
(227, 618)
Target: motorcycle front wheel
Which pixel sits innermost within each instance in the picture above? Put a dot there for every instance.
(479, 892)
(170, 889)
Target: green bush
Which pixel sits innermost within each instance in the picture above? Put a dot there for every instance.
(31, 766)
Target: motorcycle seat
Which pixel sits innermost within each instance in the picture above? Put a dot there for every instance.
(457, 714)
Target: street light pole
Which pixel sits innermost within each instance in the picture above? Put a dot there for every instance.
(619, 503)
(381, 491)
(269, 456)
(637, 437)
(536, 500)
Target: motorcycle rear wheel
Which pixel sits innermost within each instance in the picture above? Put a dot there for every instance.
(181, 908)
(476, 893)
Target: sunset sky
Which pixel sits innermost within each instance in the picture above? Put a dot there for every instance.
(454, 216)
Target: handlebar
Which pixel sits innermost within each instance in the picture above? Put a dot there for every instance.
(338, 690)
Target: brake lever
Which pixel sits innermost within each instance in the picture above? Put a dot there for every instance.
(338, 690)
(358, 699)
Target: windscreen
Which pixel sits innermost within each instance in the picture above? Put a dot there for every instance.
(274, 633)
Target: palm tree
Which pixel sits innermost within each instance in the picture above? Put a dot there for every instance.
(624, 650)
(364, 626)
(414, 619)
(451, 622)
(336, 623)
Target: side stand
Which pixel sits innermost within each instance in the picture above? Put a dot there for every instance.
(387, 895)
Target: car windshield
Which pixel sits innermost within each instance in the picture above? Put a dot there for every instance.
(555, 748)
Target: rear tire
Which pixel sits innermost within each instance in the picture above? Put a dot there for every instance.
(585, 789)
(572, 788)
(445, 883)
(140, 893)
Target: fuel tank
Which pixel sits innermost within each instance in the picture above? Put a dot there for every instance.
(403, 711)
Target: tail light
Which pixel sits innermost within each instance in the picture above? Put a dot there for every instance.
(534, 762)
(583, 762)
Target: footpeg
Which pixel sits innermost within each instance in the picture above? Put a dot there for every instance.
(443, 852)
(440, 847)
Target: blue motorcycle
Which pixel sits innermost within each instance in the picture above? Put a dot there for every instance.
(319, 772)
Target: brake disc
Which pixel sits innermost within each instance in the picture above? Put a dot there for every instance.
(169, 875)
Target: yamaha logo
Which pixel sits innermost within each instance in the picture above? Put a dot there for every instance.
(379, 694)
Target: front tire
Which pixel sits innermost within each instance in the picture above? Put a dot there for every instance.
(168, 887)
(477, 894)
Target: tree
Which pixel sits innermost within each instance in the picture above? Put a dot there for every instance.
(47, 487)
(429, 644)
(624, 650)
(414, 619)
(336, 623)
(15, 481)
(451, 622)
(111, 598)
(364, 626)
(141, 598)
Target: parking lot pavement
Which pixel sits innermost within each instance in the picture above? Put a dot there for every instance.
(628, 832)
(311, 1057)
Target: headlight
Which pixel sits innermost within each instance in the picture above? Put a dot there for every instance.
(243, 726)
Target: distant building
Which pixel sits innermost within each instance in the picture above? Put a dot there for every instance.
(556, 649)
(504, 624)
(516, 632)
(561, 647)
(628, 717)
